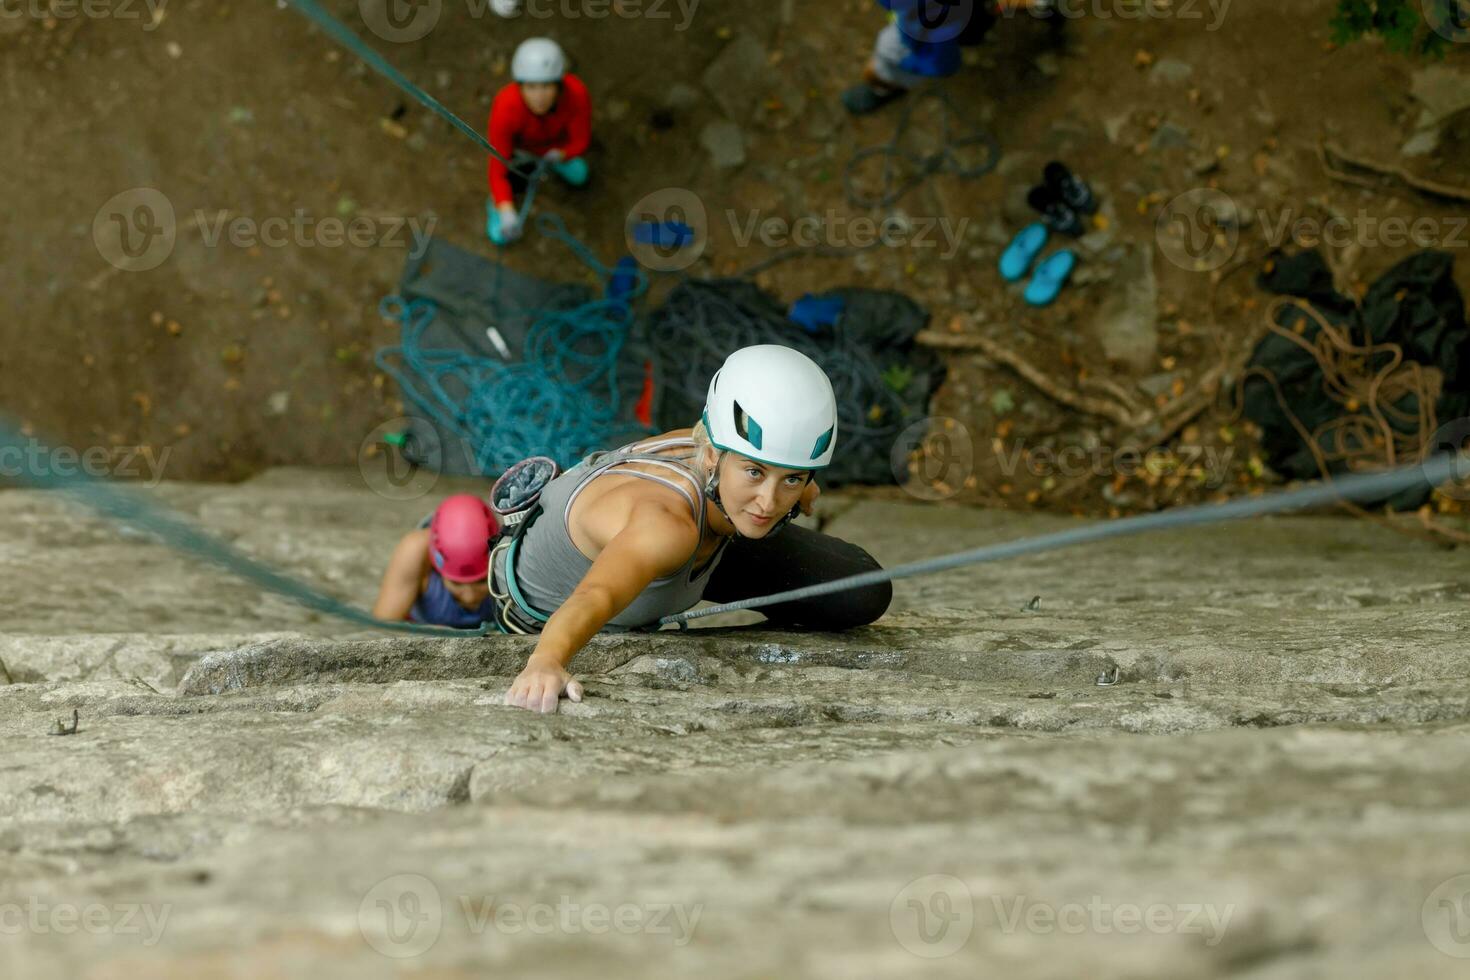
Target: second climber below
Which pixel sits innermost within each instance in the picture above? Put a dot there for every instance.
(544, 116)
(627, 537)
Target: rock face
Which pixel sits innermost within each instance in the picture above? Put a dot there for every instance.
(1127, 323)
(1274, 786)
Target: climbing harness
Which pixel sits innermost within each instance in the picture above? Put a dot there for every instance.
(515, 614)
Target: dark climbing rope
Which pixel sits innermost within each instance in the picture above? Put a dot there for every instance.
(904, 169)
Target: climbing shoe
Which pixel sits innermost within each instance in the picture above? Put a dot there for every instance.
(1072, 190)
(1055, 213)
(864, 97)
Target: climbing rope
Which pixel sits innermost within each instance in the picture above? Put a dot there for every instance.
(130, 509)
(344, 36)
(903, 170)
(561, 397)
(1387, 405)
(1359, 487)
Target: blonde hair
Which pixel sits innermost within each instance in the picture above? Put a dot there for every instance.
(702, 442)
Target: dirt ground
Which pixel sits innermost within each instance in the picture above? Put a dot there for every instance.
(236, 357)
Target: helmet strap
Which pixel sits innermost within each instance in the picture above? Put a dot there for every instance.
(712, 491)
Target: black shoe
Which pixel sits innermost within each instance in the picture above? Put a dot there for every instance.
(1072, 189)
(863, 98)
(1055, 213)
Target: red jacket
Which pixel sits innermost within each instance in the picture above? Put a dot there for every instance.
(567, 127)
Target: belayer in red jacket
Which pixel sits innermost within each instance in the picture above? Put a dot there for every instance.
(545, 114)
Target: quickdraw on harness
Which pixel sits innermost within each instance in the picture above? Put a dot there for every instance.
(516, 500)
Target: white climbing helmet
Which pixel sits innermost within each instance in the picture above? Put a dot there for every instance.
(538, 59)
(775, 405)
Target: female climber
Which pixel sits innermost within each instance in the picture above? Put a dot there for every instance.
(439, 575)
(629, 536)
(544, 114)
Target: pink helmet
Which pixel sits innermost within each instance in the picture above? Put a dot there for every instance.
(460, 536)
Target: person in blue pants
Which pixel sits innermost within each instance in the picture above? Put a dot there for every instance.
(923, 40)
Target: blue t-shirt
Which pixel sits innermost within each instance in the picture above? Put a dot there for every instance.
(935, 30)
(436, 607)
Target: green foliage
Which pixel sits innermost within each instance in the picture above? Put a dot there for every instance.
(1402, 24)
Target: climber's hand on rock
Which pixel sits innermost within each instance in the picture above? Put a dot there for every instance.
(540, 685)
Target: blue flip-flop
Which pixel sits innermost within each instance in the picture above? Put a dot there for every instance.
(1022, 251)
(1051, 275)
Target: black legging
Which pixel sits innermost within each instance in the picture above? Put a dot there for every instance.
(795, 557)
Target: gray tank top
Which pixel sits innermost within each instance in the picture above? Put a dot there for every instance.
(549, 565)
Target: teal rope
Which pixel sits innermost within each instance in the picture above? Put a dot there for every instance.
(344, 36)
(128, 507)
(561, 399)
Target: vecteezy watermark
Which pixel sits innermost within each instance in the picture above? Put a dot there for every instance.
(95, 918)
(137, 230)
(403, 916)
(1364, 229)
(667, 230)
(307, 231)
(401, 458)
(1200, 230)
(934, 916)
(932, 458)
(1020, 913)
(1212, 12)
(1208, 465)
(37, 462)
(1445, 916)
(151, 12)
(593, 9)
(1453, 438)
(406, 21)
(845, 231)
(1450, 19)
(935, 21)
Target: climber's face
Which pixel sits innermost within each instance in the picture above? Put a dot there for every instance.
(539, 96)
(470, 595)
(756, 495)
